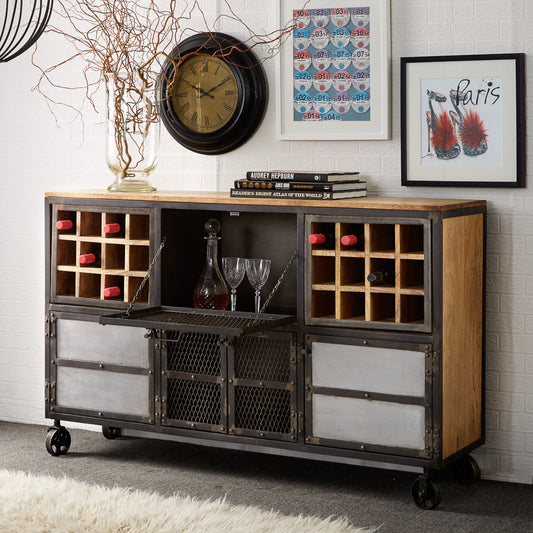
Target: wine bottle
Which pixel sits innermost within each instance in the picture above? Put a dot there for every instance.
(90, 259)
(114, 227)
(379, 276)
(111, 292)
(352, 240)
(64, 224)
(327, 239)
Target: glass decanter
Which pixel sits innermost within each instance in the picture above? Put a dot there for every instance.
(211, 291)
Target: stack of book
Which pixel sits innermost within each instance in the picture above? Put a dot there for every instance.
(300, 185)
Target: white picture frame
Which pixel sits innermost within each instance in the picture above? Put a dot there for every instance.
(324, 113)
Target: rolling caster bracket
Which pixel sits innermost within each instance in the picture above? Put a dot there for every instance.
(111, 433)
(466, 470)
(57, 439)
(426, 492)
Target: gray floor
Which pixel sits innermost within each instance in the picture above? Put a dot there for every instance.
(292, 486)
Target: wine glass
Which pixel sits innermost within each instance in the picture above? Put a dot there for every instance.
(234, 269)
(258, 271)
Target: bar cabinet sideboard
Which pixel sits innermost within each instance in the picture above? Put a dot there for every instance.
(337, 368)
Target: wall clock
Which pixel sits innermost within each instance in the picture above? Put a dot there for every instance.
(217, 98)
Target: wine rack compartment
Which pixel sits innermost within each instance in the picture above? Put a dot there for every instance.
(100, 256)
(368, 272)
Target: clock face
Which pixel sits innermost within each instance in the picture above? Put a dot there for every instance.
(213, 93)
(205, 94)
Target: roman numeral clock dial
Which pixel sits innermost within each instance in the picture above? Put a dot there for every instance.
(214, 99)
(205, 93)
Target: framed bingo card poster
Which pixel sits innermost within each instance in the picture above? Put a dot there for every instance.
(334, 70)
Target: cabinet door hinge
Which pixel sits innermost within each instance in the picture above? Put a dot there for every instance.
(50, 326)
(157, 407)
(432, 362)
(309, 389)
(432, 441)
(49, 391)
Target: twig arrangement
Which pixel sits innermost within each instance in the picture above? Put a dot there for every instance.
(123, 41)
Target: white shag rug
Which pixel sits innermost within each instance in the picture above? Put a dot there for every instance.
(31, 504)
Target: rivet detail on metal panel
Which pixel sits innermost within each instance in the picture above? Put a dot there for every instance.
(432, 441)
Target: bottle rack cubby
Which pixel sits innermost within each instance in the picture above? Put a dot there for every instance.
(338, 290)
(122, 258)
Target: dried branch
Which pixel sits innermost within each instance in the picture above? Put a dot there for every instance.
(123, 41)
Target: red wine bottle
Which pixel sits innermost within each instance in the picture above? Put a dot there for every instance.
(379, 276)
(64, 224)
(111, 292)
(90, 259)
(326, 240)
(352, 240)
(114, 227)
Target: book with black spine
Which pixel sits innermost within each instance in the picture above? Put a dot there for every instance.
(296, 195)
(345, 185)
(300, 175)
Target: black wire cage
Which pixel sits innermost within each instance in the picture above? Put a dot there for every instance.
(21, 23)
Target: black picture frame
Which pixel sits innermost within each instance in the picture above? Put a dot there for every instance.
(463, 121)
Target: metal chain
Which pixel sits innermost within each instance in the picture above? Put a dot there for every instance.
(274, 289)
(147, 275)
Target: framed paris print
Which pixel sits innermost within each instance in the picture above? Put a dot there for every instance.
(463, 120)
(334, 70)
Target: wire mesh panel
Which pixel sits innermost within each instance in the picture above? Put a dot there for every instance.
(262, 391)
(196, 353)
(274, 363)
(264, 410)
(195, 402)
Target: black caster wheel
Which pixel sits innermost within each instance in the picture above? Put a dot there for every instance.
(57, 441)
(110, 432)
(426, 493)
(466, 470)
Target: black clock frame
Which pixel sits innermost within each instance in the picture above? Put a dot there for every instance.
(251, 103)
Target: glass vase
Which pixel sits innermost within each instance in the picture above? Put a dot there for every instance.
(133, 130)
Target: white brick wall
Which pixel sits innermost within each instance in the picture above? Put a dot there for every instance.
(36, 156)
